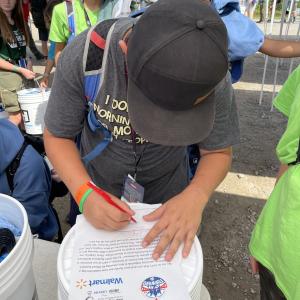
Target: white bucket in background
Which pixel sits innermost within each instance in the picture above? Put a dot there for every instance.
(192, 268)
(33, 103)
(16, 272)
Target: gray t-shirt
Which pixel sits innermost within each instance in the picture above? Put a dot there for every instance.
(162, 170)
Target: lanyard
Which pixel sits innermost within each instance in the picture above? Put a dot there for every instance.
(87, 19)
(133, 133)
(136, 159)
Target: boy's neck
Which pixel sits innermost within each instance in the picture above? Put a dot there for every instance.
(92, 4)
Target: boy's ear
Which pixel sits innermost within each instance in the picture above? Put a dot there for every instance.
(123, 46)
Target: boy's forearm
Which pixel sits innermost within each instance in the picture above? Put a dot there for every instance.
(65, 158)
(49, 67)
(282, 169)
(212, 169)
(280, 48)
(59, 47)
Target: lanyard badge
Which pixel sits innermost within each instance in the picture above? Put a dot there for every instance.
(22, 63)
(132, 191)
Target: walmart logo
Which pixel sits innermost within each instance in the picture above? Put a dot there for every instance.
(107, 281)
(81, 284)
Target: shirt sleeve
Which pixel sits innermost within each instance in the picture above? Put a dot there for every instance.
(67, 106)
(59, 31)
(51, 51)
(225, 132)
(288, 146)
(244, 36)
(286, 95)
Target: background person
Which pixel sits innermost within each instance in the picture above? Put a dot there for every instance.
(31, 183)
(37, 11)
(13, 66)
(250, 8)
(275, 241)
(261, 11)
(32, 46)
(51, 53)
(86, 14)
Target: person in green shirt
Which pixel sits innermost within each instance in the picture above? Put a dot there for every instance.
(13, 68)
(86, 13)
(275, 241)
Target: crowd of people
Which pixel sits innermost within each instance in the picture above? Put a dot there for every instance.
(290, 9)
(129, 98)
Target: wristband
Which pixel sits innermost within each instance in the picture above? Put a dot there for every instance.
(15, 69)
(46, 74)
(83, 199)
(80, 192)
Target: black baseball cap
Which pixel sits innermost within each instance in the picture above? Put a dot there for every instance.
(177, 53)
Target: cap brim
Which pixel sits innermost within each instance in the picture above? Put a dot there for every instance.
(166, 127)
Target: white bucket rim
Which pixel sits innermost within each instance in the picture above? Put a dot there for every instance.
(198, 271)
(32, 91)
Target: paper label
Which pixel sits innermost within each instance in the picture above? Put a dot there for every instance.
(114, 265)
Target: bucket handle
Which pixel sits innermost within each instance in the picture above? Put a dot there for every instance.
(36, 81)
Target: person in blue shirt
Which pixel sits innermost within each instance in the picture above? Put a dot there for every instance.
(245, 38)
(31, 182)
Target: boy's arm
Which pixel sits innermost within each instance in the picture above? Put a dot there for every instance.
(59, 47)
(180, 217)
(280, 48)
(66, 160)
(282, 169)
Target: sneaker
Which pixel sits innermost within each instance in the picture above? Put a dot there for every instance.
(38, 55)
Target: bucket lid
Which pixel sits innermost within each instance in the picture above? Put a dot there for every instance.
(32, 92)
(191, 266)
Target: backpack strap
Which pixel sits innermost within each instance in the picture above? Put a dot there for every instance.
(137, 13)
(14, 165)
(96, 46)
(71, 19)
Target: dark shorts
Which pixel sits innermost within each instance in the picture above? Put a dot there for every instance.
(43, 34)
(37, 8)
(268, 288)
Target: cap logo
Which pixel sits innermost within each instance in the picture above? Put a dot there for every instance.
(200, 24)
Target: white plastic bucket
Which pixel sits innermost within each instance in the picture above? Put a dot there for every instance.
(192, 268)
(33, 103)
(16, 272)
